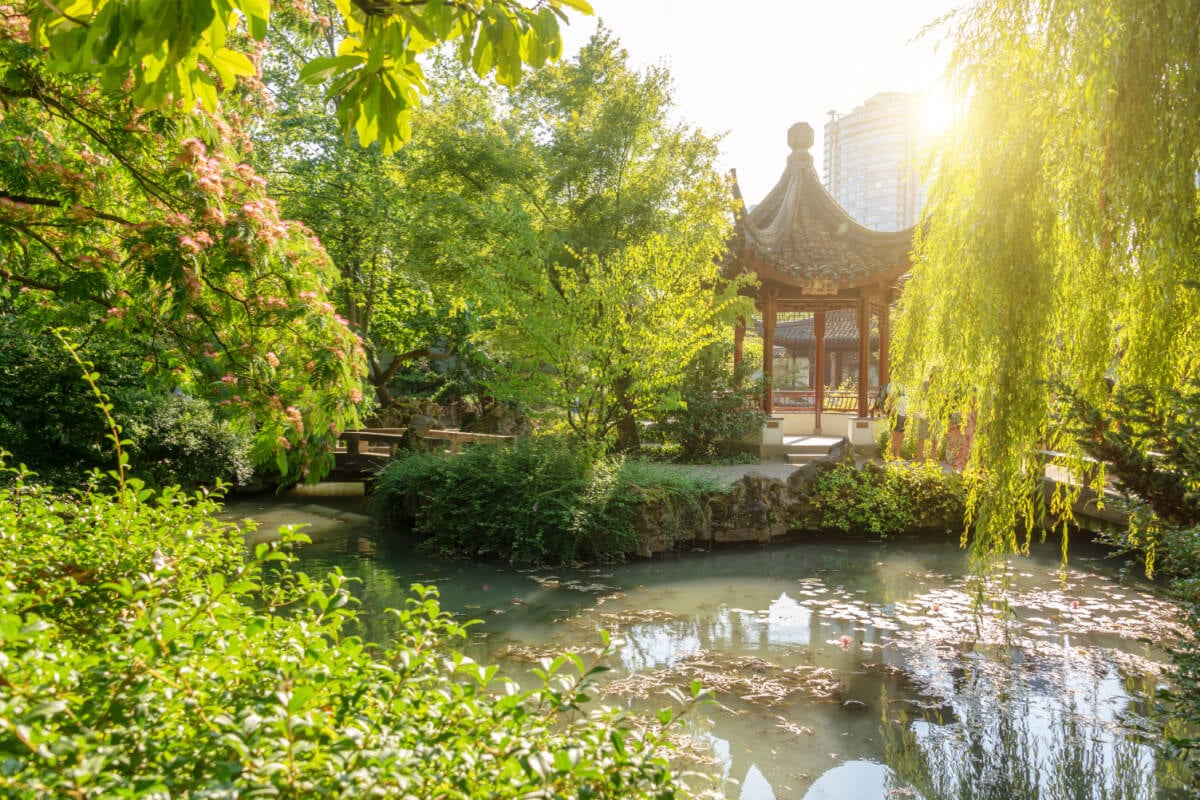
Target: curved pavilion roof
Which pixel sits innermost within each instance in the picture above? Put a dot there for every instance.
(799, 235)
(841, 331)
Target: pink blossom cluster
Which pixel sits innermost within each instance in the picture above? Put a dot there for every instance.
(13, 25)
(194, 245)
(295, 418)
(265, 217)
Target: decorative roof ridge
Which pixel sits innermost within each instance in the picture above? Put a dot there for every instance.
(801, 235)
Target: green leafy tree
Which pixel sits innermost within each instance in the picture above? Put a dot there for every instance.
(609, 339)
(1062, 249)
(599, 316)
(387, 220)
(1062, 239)
(164, 56)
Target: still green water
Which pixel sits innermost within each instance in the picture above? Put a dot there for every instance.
(843, 669)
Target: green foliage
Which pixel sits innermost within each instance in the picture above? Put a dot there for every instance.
(716, 405)
(1062, 237)
(180, 441)
(1181, 554)
(50, 422)
(141, 656)
(538, 501)
(888, 500)
(48, 418)
(165, 56)
(149, 227)
(1148, 440)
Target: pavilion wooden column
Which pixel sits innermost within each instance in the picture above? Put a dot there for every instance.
(864, 354)
(884, 343)
(769, 353)
(819, 340)
(739, 348)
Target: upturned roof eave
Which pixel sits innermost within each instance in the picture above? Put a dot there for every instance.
(752, 263)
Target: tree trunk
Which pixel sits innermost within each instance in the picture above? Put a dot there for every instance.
(628, 431)
(379, 379)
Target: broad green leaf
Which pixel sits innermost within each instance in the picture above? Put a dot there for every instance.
(321, 69)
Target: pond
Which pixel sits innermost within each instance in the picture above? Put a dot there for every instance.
(842, 669)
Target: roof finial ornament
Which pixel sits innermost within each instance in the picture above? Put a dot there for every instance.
(800, 136)
(800, 139)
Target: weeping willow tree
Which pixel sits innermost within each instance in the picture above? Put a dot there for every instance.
(1062, 239)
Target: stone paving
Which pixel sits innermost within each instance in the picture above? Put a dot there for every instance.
(729, 474)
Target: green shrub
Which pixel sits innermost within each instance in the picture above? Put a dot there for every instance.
(717, 406)
(178, 440)
(538, 501)
(140, 657)
(888, 500)
(514, 502)
(48, 418)
(50, 423)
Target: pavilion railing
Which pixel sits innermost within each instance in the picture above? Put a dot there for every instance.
(800, 401)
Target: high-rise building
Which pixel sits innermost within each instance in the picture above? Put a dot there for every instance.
(872, 161)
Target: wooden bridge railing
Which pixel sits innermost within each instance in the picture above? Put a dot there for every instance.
(383, 441)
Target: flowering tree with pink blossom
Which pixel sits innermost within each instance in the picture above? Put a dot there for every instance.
(127, 208)
(146, 226)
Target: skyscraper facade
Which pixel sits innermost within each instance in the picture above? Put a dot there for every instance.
(872, 161)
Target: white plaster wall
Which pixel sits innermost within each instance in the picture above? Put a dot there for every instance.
(861, 431)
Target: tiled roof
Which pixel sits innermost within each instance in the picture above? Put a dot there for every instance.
(841, 328)
(805, 238)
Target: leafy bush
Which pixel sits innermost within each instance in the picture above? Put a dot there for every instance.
(140, 657)
(537, 501)
(717, 405)
(48, 419)
(888, 500)
(178, 440)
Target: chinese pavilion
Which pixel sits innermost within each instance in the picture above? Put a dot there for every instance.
(810, 256)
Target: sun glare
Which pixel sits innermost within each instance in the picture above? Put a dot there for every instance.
(936, 112)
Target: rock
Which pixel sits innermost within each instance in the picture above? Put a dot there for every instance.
(735, 535)
(664, 524)
(401, 412)
(803, 478)
(499, 419)
(754, 510)
(422, 424)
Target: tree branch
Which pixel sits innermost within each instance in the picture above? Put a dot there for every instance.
(47, 202)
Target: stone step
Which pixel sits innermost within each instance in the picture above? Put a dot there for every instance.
(806, 458)
(809, 449)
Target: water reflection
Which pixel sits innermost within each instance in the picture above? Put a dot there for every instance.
(1019, 748)
(811, 645)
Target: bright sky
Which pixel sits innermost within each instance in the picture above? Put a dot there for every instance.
(751, 68)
